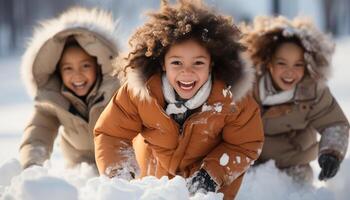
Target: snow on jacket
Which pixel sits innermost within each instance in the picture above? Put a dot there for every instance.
(221, 136)
(55, 106)
(291, 128)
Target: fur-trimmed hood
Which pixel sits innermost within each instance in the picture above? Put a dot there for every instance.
(318, 46)
(242, 85)
(93, 29)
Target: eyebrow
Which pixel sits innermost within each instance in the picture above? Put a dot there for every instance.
(279, 58)
(193, 57)
(85, 60)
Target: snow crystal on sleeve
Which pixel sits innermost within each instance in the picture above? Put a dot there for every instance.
(224, 159)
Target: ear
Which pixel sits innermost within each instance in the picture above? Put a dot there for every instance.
(163, 65)
(270, 67)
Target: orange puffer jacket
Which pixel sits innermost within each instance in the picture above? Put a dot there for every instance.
(222, 137)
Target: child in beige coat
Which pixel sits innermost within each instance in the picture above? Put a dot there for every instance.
(66, 69)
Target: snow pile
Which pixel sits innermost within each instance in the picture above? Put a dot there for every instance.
(81, 183)
(267, 182)
(49, 182)
(340, 185)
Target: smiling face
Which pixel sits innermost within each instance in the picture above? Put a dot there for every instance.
(287, 66)
(78, 70)
(187, 67)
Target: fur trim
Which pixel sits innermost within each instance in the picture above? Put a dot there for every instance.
(95, 20)
(243, 85)
(137, 82)
(319, 47)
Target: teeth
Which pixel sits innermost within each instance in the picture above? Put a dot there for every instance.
(288, 80)
(186, 83)
(78, 84)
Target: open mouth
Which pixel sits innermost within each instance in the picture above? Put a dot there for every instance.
(288, 81)
(186, 85)
(79, 85)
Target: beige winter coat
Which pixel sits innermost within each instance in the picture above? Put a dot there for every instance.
(54, 106)
(291, 128)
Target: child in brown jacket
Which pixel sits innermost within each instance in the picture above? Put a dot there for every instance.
(66, 69)
(293, 63)
(186, 92)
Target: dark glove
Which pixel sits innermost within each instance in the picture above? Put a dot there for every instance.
(329, 166)
(201, 181)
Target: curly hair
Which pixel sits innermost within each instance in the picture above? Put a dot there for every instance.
(186, 20)
(266, 34)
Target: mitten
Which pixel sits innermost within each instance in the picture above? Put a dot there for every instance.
(329, 166)
(201, 181)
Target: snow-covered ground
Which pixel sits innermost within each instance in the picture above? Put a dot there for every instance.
(54, 182)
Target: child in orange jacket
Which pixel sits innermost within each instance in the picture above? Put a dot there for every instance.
(187, 93)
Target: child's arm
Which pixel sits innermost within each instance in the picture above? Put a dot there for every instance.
(118, 124)
(242, 143)
(39, 136)
(328, 118)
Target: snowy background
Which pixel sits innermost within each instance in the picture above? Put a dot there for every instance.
(53, 181)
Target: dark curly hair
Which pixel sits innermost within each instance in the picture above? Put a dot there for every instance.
(182, 21)
(265, 34)
(266, 46)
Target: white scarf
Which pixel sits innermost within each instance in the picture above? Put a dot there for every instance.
(175, 107)
(268, 94)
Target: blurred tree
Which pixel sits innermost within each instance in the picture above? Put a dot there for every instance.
(337, 16)
(276, 8)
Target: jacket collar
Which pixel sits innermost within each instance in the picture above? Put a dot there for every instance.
(220, 93)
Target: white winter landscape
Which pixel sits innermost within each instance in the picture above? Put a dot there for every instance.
(53, 181)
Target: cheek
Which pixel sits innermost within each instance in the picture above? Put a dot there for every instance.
(93, 77)
(204, 75)
(275, 74)
(301, 74)
(65, 77)
(171, 76)
(91, 74)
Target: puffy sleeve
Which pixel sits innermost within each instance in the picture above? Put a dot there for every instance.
(241, 145)
(329, 120)
(39, 136)
(118, 124)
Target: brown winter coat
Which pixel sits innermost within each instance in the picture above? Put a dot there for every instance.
(291, 128)
(54, 105)
(228, 129)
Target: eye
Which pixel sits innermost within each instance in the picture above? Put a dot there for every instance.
(87, 65)
(280, 63)
(199, 62)
(300, 65)
(175, 62)
(66, 68)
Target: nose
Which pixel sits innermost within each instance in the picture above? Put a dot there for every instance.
(187, 69)
(77, 74)
(290, 71)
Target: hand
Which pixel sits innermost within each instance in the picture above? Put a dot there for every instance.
(201, 181)
(121, 173)
(329, 166)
